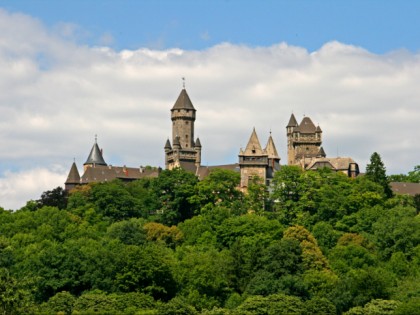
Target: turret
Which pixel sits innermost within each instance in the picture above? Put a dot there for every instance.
(73, 179)
(197, 148)
(95, 157)
(183, 118)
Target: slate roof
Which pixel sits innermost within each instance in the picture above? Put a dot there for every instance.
(271, 150)
(292, 121)
(338, 163)
(183, 101)
(253, 147)
(168, 145)
(74, 176)
(95, 156)
(400, 188)
(321, 152)
(197, 143)
(101, 173)
(307, 126)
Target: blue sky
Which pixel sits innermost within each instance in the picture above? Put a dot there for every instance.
(379, 26)
(73, 69)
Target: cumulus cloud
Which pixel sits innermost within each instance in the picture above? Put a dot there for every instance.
(55, 95)
(16, 188)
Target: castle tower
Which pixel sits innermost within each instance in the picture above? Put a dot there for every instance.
(95, 157)
(273, 158)
(253, 161)
(303, 141)
(184, 152)
(73, 179)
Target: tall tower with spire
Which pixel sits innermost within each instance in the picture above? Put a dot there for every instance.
(303, 141)
(184, 151)
(256, 162)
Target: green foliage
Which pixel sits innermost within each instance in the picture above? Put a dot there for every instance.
(53, 198)
(219, 188)
(376, 172)
(62, 302)
(376, 307)
(321, 243)
(174, 190)
(276, 304)
(14, 294)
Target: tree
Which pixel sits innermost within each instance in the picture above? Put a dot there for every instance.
(174, 189)
(220, 188)
(53, 198)
(376, 172)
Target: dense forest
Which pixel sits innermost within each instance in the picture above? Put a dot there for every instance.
(316, 242)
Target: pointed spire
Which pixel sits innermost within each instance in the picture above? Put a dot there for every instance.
(74, 176)
(292, 121)
(197, 143)
(321, 153)
(318, 129)
(168, 145)
(253, 147)
(176, 144)
(95, 156)
(270, 148)
(183, 101)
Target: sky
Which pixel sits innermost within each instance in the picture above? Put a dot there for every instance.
(75, 69)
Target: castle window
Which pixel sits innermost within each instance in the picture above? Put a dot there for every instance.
(186, 122)
(253, 151)
(188, 110)
(179, 110)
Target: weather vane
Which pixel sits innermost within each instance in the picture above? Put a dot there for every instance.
(183, 82)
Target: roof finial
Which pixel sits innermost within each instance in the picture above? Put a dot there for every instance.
(183, 83)
(96, 138)
(74, 160)
(270, 132)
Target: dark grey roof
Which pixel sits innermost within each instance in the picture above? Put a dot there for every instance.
(95, 156)
(321, 152)
(168, 145)
(183, 101)
(108, 173)
(307, 126)
(74, 176)
(197, 143)
(318, 129)
(292, 121)
(176, 142)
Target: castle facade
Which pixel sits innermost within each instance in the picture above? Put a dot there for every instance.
(304, 149)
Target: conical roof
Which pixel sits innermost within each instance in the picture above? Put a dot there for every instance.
(292, 121)
(318, 129)
(271, 150)
(183, 101)
(307, 126)
(176, 143)
(197, 143)
(253, 147)
(321, 152)
(168, 144)
(74, 176)
(95, 156)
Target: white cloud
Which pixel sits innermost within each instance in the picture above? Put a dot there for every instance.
(16, 188)
(56, 95)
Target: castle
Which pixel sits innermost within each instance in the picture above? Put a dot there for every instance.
(303, 148)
